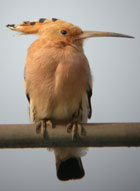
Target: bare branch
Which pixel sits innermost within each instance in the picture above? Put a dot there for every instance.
(96, 135)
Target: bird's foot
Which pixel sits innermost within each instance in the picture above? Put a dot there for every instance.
(74, 127)
(44, 123)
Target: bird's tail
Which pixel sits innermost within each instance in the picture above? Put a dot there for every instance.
(70, 168)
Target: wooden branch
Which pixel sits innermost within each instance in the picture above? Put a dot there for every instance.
(96, 135)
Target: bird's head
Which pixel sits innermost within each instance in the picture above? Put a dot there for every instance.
(57, 30)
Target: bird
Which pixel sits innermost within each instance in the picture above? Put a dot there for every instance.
(58, 83)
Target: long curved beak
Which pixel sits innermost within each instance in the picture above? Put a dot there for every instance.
(89, 34)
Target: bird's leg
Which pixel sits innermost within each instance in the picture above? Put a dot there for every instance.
(44, 123)
(74, 127)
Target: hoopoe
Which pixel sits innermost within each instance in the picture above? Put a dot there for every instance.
(58, 82)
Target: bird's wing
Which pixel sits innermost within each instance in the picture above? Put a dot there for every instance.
(25, 88)
(89, 91)
(89, 94)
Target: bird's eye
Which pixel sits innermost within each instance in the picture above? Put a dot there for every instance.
(63, 32)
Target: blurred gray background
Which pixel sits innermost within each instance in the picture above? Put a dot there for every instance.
(115, 65)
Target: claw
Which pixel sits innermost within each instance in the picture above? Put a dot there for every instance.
(82, 130)
(74, 131)
(44, 123)
(74, 127)
(69, 128)
(49, 123)
(38, 127)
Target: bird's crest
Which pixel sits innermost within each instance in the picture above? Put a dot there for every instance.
(31, 27)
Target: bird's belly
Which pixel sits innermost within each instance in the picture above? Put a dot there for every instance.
(63, 111)
(59, 105)
(67, 97)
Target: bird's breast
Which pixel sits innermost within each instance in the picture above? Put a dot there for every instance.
(71, 74)
(57, 79)
(70, 83)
